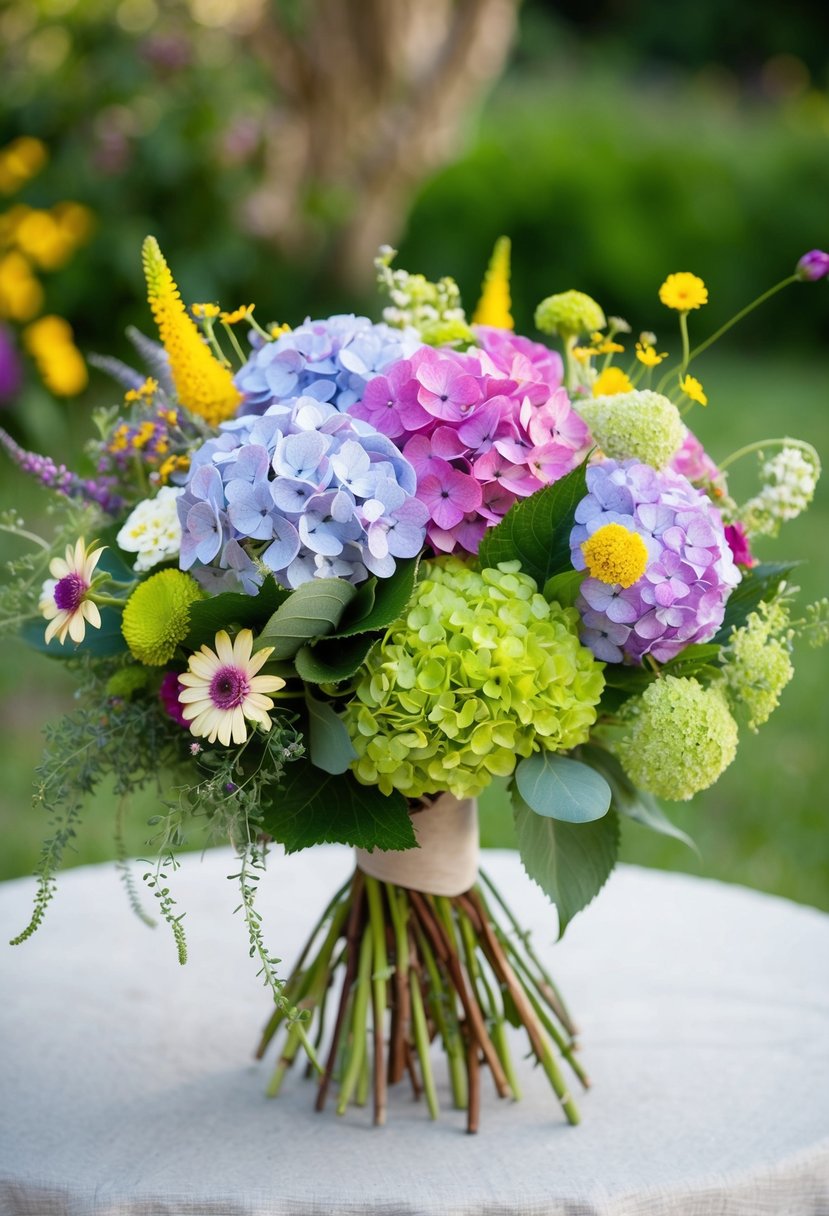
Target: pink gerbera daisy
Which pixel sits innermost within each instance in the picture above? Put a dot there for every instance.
(222, 689)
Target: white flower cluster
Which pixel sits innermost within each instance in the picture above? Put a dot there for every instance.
(153, 530)
(789, 482)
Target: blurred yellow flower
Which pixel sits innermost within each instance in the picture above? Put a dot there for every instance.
(50, 342)
(692, 388)
(239, 314)
(19, 161)
(205, 312)
(610, 382)
(21, 295)
(683, 291)
(648, 355)
(494, 305)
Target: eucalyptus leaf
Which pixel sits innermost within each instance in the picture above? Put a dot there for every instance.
(570, 862)
(314, 610)
(333, 659)
(217, 612)
(627, 800)
(536, 530)
(313, 807)
(560, 788)
(330, 747)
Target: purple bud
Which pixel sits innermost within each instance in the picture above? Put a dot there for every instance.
(812, 266)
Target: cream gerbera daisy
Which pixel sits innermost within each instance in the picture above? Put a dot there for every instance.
(64, 602)
(221, 689)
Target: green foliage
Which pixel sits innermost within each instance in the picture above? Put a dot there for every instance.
(217, 612)
(559, 788)
(536, 530)
(330, 748)
(312, 611)
(756, 585)
(627, 800)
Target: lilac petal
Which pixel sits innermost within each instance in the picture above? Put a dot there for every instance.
(291, 495)
(285, 547)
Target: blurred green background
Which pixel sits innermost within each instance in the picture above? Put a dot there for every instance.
(614, 147)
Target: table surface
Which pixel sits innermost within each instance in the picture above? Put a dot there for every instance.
(127, 1085)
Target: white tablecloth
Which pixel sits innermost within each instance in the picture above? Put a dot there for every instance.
(127, 1084)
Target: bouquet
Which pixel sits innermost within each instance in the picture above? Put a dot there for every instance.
(332, 594)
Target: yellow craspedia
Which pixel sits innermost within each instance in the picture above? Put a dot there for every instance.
(683, 291)
(494, 305)
(614, 554)
(612, 381)
(203, 384)
(157, 616)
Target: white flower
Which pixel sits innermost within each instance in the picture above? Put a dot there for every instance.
(222, 688)
(789, 481)
(153, 530)
(63, 600)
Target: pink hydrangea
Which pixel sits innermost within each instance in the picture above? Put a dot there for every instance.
(692, 461)
(481, 430)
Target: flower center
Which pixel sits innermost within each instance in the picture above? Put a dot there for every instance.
(229, 687)
(614, 554)
(70, 591)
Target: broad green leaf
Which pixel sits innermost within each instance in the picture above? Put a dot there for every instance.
(564, 588)
(569, 861)
(536, 530)
(330, 747)
(560, 788)
(217, 612)
(333, 659)
(694, 659)
(757, 584)
(630, 801)
(314, 807)
(103, 642)
(312, 611)
(391, 595)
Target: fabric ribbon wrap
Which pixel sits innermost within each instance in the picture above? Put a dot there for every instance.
(446, 862)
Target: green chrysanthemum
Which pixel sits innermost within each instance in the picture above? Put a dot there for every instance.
(479, 671)
(127, 682)
(639, 425)
(678, 738)
(569, 314)
(157, 616)
(757, 665)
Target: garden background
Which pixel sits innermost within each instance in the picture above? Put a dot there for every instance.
(613, 146)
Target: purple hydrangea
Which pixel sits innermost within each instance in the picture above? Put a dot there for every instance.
(690, 572)
(331, 360)
(302, 491)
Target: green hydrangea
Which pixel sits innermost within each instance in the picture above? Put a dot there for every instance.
(157, 616)
(479, 671)
(677, 737)
(569, 314)
(433, 309)
(757, 664)
(639, 425)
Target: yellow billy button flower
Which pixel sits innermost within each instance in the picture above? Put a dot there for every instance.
(683, 291)
(222, 689)
(64, 602)
(610, 382)
(692, 388)
(615, 555)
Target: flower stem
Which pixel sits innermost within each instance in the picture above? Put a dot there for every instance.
(761, 444)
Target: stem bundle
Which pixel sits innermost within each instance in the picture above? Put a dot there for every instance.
(416, 967)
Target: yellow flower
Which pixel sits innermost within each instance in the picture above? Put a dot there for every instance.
(203, 384)
(494, 305)
(610, 382)
(222, 689)
(683, 291)
(145, 393)
(692, 388)
(21, 295)
(276, 331)
(64, 600)
(239, 314)
(647, 354)
(19, 161)
(616, 555)
(204, 312)
(60, 363)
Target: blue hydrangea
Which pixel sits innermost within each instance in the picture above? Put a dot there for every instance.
(331, 360)
(302, 491)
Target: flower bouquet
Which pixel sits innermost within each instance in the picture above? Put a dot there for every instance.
(337, 592)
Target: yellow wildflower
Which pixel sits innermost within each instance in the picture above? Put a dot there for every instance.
(21, 295)
(615, 555)
(494, 305)
(610, 382)
(583, 353)
(276, 331)
(603, 345)
(238, 314)
(61, 365)
(648, 355)
(692, 388)
(173, 464)
(204, 312)
(683, 291)
(19, 161)
(146, 391)
(203, 384)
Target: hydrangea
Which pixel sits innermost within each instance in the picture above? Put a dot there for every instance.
(330, 360)
(688, 574)
(156, 618)
(677, 738)
(638, 425)
(569, 314)
(479, 670)
(302, 491)
(481, 431)
(757, 664)
(789, 480)
(693, 462)
(152, 530)
(504, 345)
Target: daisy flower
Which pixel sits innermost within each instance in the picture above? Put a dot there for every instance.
(683, 291)
(64, 602)
(221, 689)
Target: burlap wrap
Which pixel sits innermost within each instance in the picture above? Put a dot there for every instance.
(446, 863)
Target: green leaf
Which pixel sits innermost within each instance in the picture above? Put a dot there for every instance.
(217, 612)
(569, 861)
(757, 584)
(389, 601)
(630, 801)
(312, 611)
(103, 642)
(314, 807)
(560, 788)
(564, 588)
(536, 530)
(333, 659)
(330, 747)
(693, 659)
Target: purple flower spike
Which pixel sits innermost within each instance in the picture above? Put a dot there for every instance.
(812, 266)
